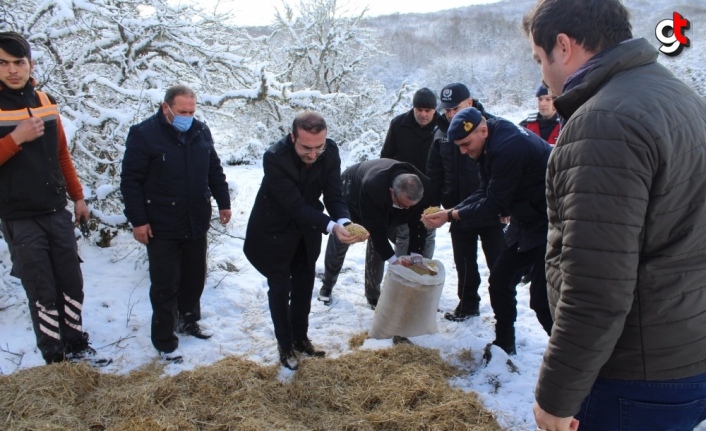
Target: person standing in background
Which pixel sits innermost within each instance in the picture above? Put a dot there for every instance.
(169, 173)
(545, 122)
(408, 140)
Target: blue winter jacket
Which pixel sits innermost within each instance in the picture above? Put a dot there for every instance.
(168, 178)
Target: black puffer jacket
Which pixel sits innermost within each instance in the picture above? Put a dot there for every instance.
(626, 260)
(168, 182)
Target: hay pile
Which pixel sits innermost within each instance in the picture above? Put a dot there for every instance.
(402, 388)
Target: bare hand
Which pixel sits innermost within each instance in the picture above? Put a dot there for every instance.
(505, 219)
(224, 216)
(343, 235)
(81, 211)
(142, 233)
(28, 130)
(436, 220)
(550, 422)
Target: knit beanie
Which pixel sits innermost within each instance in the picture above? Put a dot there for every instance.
(424, 98)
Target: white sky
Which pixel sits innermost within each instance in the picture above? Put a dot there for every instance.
(261, 12)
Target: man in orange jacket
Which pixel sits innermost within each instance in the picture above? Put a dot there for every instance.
(36, 174)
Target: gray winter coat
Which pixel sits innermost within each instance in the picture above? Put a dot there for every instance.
(626, 259)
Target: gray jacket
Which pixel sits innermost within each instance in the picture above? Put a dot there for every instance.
(626, 258)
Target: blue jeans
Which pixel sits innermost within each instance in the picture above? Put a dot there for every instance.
(630, 405)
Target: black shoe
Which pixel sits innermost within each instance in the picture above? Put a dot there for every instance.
(55, 357)
(306, 348)
(325, 295)
(171, 357)
(507, 346)
(526, 279)
(459, 315)
(80, 348)
(373, 303)
(288, 358)
(195, 330)
(397, 339)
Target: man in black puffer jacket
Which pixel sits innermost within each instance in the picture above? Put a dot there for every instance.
(169, 173)
(626, 197)
(453, 178)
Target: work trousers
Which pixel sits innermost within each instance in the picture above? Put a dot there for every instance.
(178, 275)
(45, 258)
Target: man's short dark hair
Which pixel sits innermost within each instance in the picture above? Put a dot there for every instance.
(177, 90)
(409, 185)
(594, 24)
(308, 121)
(15, 44)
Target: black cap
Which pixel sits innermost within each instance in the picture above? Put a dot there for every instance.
(424, 98)
(541, 91)
(464, 122)
(453, 94)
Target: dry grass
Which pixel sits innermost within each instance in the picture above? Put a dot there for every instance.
(402, 388)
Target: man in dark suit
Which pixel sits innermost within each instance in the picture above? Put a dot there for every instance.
(381, 194)
(283, 238)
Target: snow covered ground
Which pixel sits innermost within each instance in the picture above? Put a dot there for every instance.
(234, 305)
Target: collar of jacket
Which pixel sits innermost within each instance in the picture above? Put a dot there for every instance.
(600, 68)
(410, 121)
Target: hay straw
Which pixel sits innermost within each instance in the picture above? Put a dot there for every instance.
(402, 388)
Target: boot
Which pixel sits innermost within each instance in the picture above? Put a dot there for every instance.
(505, 338)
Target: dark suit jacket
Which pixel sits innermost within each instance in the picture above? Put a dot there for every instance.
(287, 207)
(366, 188)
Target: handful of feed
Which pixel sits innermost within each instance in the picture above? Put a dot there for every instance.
(356, 229)
(431, 210)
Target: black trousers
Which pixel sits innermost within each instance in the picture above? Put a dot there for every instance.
(290, 299)
(465, 250)
(45, 257)
(374, 265)
(504, 277)
(178, 275)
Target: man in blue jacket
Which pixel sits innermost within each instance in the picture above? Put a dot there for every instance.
(512, 163)
(169, 173)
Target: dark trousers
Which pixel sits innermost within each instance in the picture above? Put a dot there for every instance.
(290, 299)
(374, 265)
(45, 257)
(465, 249)
(504, 277)
(178, 275)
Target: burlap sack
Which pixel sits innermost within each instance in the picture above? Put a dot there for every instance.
(408, 302)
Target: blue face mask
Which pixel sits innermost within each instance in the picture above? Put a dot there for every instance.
(181, 122)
